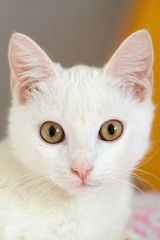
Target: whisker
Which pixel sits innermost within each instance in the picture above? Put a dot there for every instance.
(140, 178)
(145, 172)
(134, 186)
(145, 162)
(143, 180)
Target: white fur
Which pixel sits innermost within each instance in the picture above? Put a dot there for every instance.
(40, 197)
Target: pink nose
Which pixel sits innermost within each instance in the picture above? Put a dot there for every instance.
(81, 171)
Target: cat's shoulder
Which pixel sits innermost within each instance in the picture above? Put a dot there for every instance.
(4, 151)
(4, 146)
(7, 161)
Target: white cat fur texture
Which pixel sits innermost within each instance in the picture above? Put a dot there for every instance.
(41, 198)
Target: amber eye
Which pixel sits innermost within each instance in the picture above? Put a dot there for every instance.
(52, 132)
(111, 130)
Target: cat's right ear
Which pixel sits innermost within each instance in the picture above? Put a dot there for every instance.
(132, 65)
(29, 64)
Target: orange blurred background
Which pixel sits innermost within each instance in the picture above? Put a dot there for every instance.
(146, 14)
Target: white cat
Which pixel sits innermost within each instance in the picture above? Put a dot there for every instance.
(74, 137)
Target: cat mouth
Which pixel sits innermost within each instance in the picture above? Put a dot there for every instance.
(87, 185)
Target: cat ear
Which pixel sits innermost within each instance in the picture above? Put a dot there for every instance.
(29, 64)
(132, 64)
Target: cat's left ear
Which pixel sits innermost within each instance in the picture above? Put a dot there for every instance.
(29, 64)
(132, 64)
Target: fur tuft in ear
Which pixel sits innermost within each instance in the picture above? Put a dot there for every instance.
(29, 64)
(132, 63)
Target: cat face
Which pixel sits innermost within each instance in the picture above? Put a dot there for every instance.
(82, 127)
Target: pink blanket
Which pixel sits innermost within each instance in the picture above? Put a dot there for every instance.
(146, 216)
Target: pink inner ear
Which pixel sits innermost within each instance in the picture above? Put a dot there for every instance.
(133, 62)
(22, 89)
(140, 91)
(21, 70)
(24, 84)
(29, 64)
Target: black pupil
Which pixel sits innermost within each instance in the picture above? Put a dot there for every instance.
(52, 131)
(111, 129)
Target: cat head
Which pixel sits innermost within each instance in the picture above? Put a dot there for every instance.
(82, 127)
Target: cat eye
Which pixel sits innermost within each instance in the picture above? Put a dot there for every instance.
(111, 130)
(51, 132)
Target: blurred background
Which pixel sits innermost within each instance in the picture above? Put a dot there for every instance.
(83, 31)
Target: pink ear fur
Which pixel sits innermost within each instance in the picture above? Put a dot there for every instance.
(28, 63)
(132, 62)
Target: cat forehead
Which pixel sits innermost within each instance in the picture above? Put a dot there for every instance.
(79, 93)
(82, 71)
(73, 83)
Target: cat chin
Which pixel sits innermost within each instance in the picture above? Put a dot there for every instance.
(77, 188)
(82, 189)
